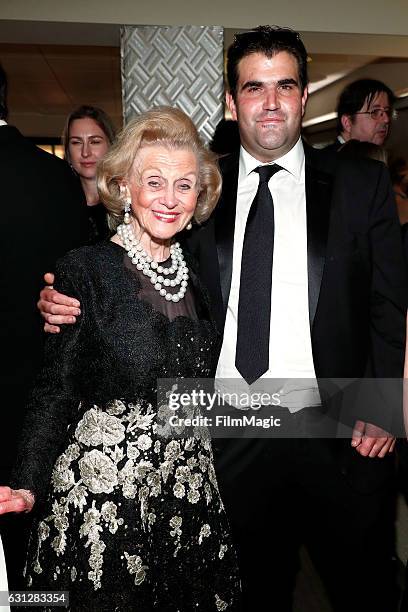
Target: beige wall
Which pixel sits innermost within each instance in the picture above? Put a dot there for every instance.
(359, 16)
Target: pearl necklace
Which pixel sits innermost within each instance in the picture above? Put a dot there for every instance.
(158, 274)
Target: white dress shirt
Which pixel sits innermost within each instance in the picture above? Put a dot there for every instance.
(290, 347)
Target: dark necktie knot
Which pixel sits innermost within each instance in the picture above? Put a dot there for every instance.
(266, 172)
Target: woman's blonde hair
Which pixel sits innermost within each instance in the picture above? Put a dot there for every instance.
(165, 126)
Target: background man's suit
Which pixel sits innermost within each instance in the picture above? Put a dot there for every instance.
(43, 216)
(357, 303)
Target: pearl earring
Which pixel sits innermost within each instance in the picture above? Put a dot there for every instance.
(189, 226)
(126, 216)
(127, 202)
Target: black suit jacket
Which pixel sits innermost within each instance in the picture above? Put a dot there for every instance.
(333, 146)
(43, 215)
(356, 270)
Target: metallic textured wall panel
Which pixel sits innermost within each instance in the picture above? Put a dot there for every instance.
(178, 66)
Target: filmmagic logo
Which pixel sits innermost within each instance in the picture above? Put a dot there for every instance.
(223, 420)
(207, 400)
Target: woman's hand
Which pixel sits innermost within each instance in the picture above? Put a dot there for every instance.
(56, 308)
(15, 500)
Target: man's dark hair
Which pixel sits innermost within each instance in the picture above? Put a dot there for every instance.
(353, 97)
(268, 40)
(226, 137)
(3, 94)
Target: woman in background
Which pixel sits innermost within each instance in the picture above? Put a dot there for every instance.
(87, 136)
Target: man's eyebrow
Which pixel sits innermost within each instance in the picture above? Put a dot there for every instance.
(249, 84)
(378, 105)
(288, 81)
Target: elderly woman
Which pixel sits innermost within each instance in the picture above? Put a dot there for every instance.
(126, 519)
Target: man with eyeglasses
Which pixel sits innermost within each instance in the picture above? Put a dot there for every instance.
(364, 112)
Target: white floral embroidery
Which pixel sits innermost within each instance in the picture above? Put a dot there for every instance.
(132, 451)
(43, 531)
(208, 493)
(222, 551)
(91, 528)
(195, 481)
(179, 490)
(126, 478)
(135, 566)
(116, 407)
(96, 428)
(189, 444)
(193, 496)
(125, 435)
(142, 469)
(154, 482)
(173, 451)
(62, 477)
(72, 452)
(108, 512)
(141, 418)
(175, 523)
(77, 496)
(116, 454)
(143, 497)
(204, 533)
(144, 442)
(182, 473)
(98, 472)
(220, 604)
(176, 532)
(60, 512)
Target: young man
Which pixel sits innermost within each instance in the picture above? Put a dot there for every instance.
(330, 303)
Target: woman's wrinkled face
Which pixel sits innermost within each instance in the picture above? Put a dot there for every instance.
(87, 143)
(163, 186)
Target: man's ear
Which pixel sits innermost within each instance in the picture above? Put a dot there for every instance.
(231, 105)
(346, 124)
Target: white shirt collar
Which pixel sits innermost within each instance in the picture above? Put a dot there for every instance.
(292, 161)
(2, 122)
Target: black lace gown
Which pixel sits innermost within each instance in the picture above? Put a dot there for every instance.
(125, 519)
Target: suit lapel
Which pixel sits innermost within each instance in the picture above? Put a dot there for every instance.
(318, 206)
(225, 223)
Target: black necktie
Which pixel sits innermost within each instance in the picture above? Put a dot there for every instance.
(254, 307)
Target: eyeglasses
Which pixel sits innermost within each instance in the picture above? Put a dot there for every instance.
(378, 113)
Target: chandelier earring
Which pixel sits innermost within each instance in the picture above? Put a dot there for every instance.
(127, 202)
(126, 216)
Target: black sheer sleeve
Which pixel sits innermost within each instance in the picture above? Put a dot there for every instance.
(55, 396)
